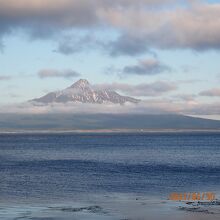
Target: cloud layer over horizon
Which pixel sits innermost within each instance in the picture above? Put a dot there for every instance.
(151, 106)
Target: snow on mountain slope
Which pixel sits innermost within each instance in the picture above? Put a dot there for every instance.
(81, 91)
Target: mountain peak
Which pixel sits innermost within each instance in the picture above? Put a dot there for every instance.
(82, 91)
(82, 83)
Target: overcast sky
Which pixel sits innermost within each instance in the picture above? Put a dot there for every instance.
(162, 51)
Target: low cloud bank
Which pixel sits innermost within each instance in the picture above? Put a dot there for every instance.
(158, 106)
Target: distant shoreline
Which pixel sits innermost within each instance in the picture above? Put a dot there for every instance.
(99, 131)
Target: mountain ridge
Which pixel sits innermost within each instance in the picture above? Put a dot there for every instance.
(81, 91)
(63, 122)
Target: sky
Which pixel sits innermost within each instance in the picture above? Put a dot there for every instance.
(164, 52)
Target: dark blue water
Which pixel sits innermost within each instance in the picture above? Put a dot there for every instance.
(63, 166)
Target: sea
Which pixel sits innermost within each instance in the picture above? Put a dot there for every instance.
(67, 175)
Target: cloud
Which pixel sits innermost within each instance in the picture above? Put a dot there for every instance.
(140, 24)
(146, 67)
(212, 92)
(194, 26)
(145, 89)
(38, 14)
(29, 108)
(150, 106)
(48, 73)
(75, 44)
(43, 17)
(127, 45)
(68, 46)
(5, 78)
(124, 46)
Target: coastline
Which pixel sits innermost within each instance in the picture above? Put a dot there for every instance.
(112, 207)
(97, 131)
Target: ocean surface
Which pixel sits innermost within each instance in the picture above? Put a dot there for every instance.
(63, 168)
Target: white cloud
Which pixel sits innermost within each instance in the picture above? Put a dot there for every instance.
(151, 106)
(48, 73)
(144, 89)
(195, 26)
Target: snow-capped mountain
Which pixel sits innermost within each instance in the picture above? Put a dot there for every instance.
(82, 91)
